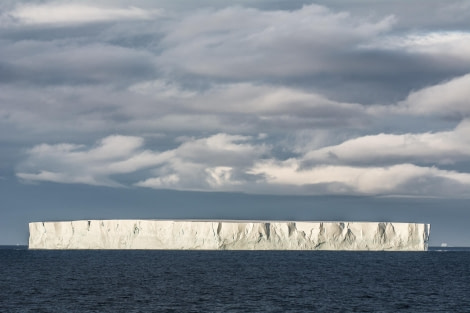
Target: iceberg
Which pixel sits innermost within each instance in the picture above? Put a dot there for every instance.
(228, 235)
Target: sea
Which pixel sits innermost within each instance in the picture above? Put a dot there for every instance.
(233, 281)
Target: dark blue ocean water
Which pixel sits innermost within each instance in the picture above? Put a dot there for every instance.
(233, 281)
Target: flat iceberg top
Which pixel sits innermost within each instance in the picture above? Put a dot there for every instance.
(228, 235)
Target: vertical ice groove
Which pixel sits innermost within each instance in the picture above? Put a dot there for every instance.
(267, 227)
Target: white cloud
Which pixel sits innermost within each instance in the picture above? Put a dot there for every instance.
(448, 147)
(68, 163)
(66, 179)
(449, 98)
(224, 162)
(168, 181)
(208, 164)
(70, 13)
(197, 164)
(220, 176)
(449, 44)
(401, 179)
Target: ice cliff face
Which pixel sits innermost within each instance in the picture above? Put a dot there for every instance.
(230, 235)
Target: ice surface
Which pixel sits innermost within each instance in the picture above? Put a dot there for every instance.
(230, 235)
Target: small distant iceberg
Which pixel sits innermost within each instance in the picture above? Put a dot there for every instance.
(228, 235)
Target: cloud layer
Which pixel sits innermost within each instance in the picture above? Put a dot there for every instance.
(297, 99)
(370, 165)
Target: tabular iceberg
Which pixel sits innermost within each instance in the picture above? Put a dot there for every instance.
(228, 235)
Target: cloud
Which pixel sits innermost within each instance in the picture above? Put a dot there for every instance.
(448, 147)
(62, 62)
(314, 48)
(70, 13)
(70, 163)
(224, 162)
(450, 98)
(263, 101)
(215, 163)
(400, 179)
(157, 106)
(154, 106)
(449, 44)
(276, 104)
(446, 99)
(267, 43)
(194, 164)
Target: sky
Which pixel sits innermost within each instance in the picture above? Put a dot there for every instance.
(351, 110)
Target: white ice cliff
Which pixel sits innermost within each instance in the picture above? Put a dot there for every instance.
(229, 235)
(233, 235)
